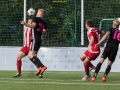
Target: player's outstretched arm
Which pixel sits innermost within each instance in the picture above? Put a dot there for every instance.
(103, 32)
(103, 38)
(32, 25)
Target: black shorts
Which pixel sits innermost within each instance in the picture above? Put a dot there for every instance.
(110, 52)
(35, 45)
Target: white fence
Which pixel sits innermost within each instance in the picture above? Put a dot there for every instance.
(56, 59)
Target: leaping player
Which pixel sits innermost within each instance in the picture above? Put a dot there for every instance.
(25, 49)
(38, 25)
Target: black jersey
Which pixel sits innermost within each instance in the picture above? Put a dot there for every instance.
(114, 38)
(40, 25)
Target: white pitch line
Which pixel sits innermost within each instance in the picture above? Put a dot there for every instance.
(62, 83)
(42, 79)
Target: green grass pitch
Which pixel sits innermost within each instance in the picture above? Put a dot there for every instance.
(57, 81)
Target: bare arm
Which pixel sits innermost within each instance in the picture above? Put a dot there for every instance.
(103, 38)
(103, 32)
(32, 25)
(44, 30)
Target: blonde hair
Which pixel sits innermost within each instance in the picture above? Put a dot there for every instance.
(116, 23)
(42, 10)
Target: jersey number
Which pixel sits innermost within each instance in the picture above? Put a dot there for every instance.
(41, 27)
(117, 35)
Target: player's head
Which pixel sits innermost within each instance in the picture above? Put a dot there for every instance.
(40, 13)
(115, 24)
(29, 21)
(89, 23)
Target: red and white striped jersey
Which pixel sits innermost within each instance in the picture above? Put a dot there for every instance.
(27, 36)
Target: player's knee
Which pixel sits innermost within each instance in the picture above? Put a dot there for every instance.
(101, 60)
(110, 62)
(19, 57)
(30, 55)
(82, 58)
(85, 63)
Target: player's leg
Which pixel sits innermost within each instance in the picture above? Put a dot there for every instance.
(82, 58)
(36, 61)
(98, 67)
(111, 58)
(107, 71)
(86, 68)
(91, 66)
(91, 56)
(22, 53)
(32, 56)
(19, 63)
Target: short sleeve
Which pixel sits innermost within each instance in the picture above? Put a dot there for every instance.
(99, 31)
(110, 30)
(90, 34)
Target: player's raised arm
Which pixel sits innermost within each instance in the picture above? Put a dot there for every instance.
(102, 32)
(32, 25)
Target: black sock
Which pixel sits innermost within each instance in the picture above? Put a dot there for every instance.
(97, 69)
(37, 62)
(107, 70)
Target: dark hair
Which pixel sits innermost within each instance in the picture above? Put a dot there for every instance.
(89, 22)
(30, 18)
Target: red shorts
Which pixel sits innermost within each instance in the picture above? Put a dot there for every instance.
(91, 56)
(25, 50)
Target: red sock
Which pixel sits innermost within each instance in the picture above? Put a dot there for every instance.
(90, 64)
(19, 64)
(86, 69)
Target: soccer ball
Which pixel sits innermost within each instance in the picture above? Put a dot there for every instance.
(31, 12)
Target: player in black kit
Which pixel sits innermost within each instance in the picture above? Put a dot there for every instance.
(110, 50)
(38, 26)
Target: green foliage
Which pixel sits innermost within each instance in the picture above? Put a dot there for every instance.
(10, 29)
(63, 18)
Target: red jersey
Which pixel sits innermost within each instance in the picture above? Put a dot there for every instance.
(95, 33)
(27, 36)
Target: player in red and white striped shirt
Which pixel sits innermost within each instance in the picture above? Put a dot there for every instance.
(25, 49)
